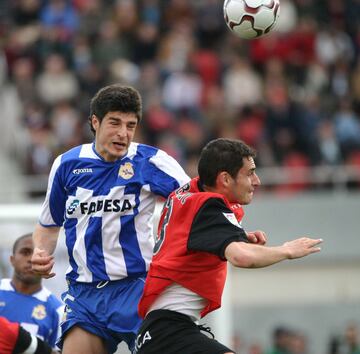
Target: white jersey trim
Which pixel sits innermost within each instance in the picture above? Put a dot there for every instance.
(42, 295)
(170, 166)
(177, 298)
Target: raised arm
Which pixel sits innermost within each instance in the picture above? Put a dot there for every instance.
(248, 255)
(45, 240)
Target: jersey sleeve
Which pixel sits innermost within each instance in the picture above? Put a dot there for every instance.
(53, 208)
(166, 174)
(214, 228)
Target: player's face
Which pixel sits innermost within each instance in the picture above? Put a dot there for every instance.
(114, 134)
(242, 187)
(20, 261)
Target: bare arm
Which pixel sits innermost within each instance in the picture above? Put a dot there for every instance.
(247, 255)
(45, 240)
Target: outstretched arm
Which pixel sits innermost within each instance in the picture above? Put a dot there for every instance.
(45, 240)
(247, 255)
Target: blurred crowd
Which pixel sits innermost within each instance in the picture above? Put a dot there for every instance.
(294, 94)
(286, 340)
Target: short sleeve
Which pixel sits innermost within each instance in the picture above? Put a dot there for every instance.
(214, 228)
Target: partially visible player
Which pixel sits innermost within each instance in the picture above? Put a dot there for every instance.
(104, 195)
(23, 298)
(198, 233)
(14, 339)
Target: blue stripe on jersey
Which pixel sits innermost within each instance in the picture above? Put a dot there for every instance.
(70, 240)
(94, 254)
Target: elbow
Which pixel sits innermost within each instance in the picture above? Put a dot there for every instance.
(242, 255)
(243, 261)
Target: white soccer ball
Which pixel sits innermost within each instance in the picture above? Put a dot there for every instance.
(251, 18)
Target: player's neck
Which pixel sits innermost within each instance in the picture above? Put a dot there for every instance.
(25, 288)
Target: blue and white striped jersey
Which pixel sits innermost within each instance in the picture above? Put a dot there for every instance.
(39, 313)
(107, 208)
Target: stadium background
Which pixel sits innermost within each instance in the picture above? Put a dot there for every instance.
(294, 95)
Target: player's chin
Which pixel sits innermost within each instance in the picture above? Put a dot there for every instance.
(31, 278)
(248, 199)
(119, 151)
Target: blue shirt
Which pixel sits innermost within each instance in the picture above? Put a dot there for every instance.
(107, 208)
(39, 313)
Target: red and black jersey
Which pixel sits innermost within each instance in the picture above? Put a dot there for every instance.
(9, 333)
(194, 230)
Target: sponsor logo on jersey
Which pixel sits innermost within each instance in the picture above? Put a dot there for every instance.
(126, 171)
(103, 205)
(2, 303)
(79, 171)
(75, 203)
(39, 312)
(232, 218)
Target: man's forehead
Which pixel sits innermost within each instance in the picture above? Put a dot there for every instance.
(25, 243)
(249, 162)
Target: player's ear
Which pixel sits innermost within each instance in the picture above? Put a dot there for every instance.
(12, 260)
(223, 179)
(95, 122)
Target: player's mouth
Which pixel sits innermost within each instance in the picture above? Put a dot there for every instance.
(119, 145)
(28, 270)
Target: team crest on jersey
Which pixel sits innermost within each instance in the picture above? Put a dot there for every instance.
(39, 312)
(126, 171)
(232, 218)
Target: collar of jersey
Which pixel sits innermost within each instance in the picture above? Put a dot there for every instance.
(110, 162)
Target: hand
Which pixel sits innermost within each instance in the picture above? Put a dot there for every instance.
(259, 237)
(42, 263)
(302, 247)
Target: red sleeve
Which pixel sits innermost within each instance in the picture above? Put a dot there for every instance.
(9, 332)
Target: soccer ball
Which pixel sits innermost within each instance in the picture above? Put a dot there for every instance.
(251, 18)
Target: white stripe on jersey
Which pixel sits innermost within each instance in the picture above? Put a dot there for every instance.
(132, 150)
(145, 223)
(43, 294)
(87, 151)
(79, 250)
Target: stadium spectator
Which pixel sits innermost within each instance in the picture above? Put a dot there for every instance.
(25, 300)
(352, 339)
(199, 231)
(281, 341)
(55, 70)
(14, 339)
(104, 195)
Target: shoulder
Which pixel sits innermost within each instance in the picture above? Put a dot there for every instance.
(81, 152)
(138, 150)
(208, 198)
(45, 295)
(5, 285)
(77, 156)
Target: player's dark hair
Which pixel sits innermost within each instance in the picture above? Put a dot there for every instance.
(221, 155)
(18, 240)
(115, 98)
